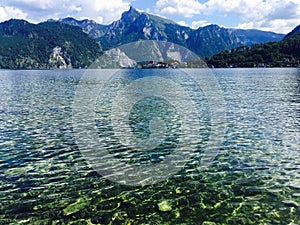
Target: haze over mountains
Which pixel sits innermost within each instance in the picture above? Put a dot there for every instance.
(70, 43)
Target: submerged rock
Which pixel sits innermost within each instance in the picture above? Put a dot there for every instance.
(76, 206)
(290, 203)
(119, 216)
(208, 223)
(19, 170)
(296, 195)
(165, 206)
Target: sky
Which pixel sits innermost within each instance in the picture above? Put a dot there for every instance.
(279, 16)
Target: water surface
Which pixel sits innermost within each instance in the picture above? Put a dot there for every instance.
(254, 179)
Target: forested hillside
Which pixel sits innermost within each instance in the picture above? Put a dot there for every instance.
(46, 45)
(285, 53)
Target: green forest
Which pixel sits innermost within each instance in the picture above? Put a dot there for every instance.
(29, 46)
(285, 53)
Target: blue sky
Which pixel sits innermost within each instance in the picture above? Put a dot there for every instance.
(273, 15)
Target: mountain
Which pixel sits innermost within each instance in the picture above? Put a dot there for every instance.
(211, 39)
(133, 26)
(285, 53)
(205, 41)
(296, 30)
(90, 27)
(46, 45)
(70, 43)
(253, 36)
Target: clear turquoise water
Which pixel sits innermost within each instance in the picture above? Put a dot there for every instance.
(254, 179)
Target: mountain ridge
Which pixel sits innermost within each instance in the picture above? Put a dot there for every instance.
(71, 43)
(205, 41)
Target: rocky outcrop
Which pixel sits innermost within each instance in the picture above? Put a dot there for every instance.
(58, 60)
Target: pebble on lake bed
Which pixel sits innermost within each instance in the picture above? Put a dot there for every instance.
(165, 206)
(290, 203)
(208, 223)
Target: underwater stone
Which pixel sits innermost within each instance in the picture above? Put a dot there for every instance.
(208, 223)
(19, 170)
(296, 195)
(119, 216)
(165, 206)
(178, 191)
(75, 207)
(291, 203)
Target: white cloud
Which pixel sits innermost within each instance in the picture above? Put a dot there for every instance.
(110, 10)
(278, 25)
(36, 10)
(185, 8)
(199, 23)
(182, 23)
(275, 15)
(11, 12)
(254, 9)
(75, 8)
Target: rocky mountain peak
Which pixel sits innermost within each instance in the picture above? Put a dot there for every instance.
(130, 15)
(205, 41)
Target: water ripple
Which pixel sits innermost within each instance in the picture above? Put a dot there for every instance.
(254, 179)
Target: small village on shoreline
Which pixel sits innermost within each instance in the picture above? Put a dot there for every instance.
(160, 65)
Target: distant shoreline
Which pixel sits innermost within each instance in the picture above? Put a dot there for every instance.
(217, 68)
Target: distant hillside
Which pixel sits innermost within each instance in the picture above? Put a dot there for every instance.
(46, 45)
(90, 27)
(285, 53)
(293, 32)
(205, 41)
(211, 39)
(253, 36)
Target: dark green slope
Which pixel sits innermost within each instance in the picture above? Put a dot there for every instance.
(253, 36)
(285, 53)
(211, 39)
(296, 30)
(28, 46)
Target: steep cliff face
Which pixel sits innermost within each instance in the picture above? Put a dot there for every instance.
(59, 59)
(132, 26)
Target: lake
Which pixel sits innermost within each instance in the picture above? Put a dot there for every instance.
(153, 146)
